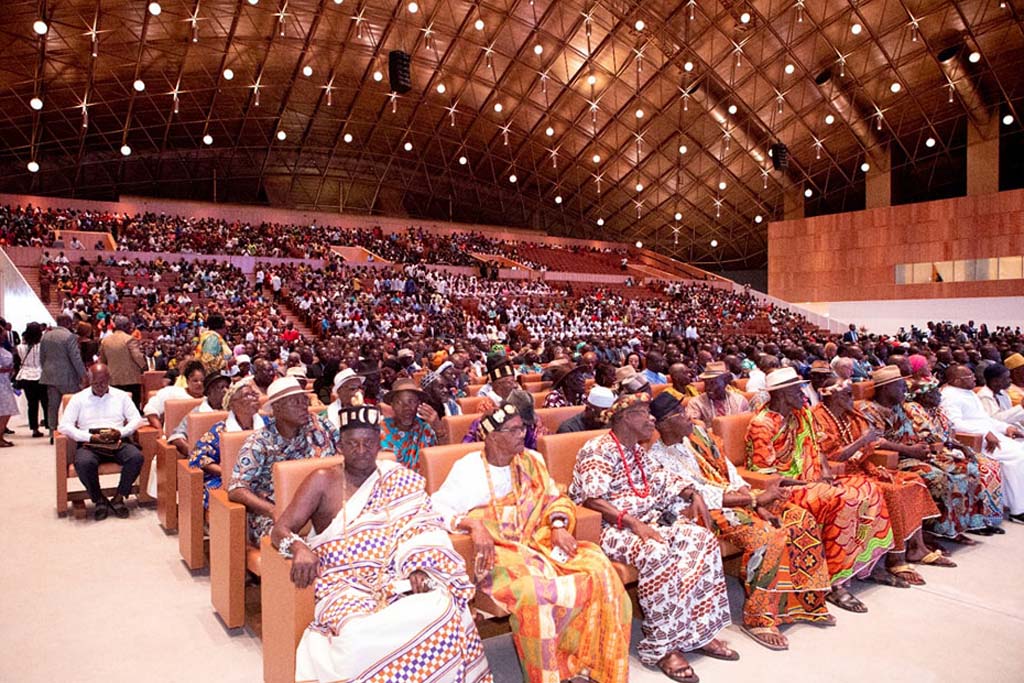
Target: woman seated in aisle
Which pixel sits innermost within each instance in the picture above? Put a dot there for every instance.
(392, 596)
(242, 399)
(570, 613)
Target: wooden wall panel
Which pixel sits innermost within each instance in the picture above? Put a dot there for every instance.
(853, 256)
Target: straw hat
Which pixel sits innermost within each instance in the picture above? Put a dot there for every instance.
(283, 387)
(782, 378)
(713, 370)
(404, 384)
(346, 375)
(886, 375)
(624, 373)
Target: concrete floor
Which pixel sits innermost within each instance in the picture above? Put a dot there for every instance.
(111, 601)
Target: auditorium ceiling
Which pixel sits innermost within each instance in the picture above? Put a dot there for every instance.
(641, 121)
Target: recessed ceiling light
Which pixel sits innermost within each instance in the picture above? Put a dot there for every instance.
(639, 187)
(228, 74)
(639, 244)
(33, 166)
(722, 185)
(558, 199)
(413, 8)
(441, 88)
(733, 109)
(378, 76)
(538, 49)
(35, 103)
(829, 119)
(808, 192)
(40, 27)
(865, 167)
(549, 131)
(125, 150)
(463, 161)
(600, 222)
(139, 85)
(639, 113)
(745, 18)
(758, 218)
(307, 71)
(591, 79)
(155, 9)
(678, 216)
(407, 146)
(639, 25)
(478, 24)
(974, 57)
(347, 137)
(789, 68)
(1007, 119)
(895, 87)
(855, 29)
(688, 66)
(682, 149)
(714, 243)
(498, 107)
(281, 135)
(930, 142)
(207, 139)
(597, 158)
(512, 178)
(256, 2)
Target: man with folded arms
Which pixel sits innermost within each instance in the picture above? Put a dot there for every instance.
(100, 419)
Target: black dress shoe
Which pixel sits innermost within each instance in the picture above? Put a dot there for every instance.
(8, 431)
(36, 434)
(996, 530)
(101, 512)
(119, 508)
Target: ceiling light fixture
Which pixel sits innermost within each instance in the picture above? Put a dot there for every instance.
(347, 138)
(974, 57)
(228, 74)
(732, 109)
(498, 107)
(591, 79)
(714, 244)
(597, 157)
(35, 103)
(307, 71)
(639, 244)
(758, 218)
(463, 161)
(688, 66)
(441, 88)
(125, 150)
(865, 167)
(789, 68)
(512, 178)
(281, 135)
(745, 18)
(538, 49)
(407, 147)
(40, 27)
(855, 29)
(808, 193)
(682, 149)
(558, 199)
(549, 131)
(722, 185)
(930, 142)
(600, 222)
(829, 119)
(155, 9)
(639, 25)
(639, 187)
(413, 8)
(895, 87)
(478, 24)
(33, 166)
(1008, 119)
(378, 76)
(678, 216)
(207, 139)
(139, 85)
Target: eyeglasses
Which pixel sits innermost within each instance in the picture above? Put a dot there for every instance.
(521, 429)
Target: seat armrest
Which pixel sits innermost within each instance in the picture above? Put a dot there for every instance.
(884, 458)
(463, 545)
(975, 442)
(287, 610)
(147, 436)
(190, 515)
(755, 479)
(64, 454)
(588, 525)
(227, 558)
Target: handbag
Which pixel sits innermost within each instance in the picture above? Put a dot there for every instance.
(29, 371)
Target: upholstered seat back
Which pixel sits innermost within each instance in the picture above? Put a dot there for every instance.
(175, 410)
(863, 391)
(436, 462)
(551, 418)
(198, 424)
(732, 430)
(559, 451)
(458, 425)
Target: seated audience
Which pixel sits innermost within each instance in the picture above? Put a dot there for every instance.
(414, 425)
(215, 385)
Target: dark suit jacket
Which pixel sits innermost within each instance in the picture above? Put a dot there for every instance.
(61, 360)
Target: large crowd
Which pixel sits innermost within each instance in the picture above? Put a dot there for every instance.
(858, 456)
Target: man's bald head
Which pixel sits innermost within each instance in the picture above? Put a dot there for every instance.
(99, 379)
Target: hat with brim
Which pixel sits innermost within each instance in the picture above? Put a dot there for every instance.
(296, 371)
(214, 377)
(563, 373)
(821, 367)
(1014, 361)
(283, 387)
(714, 370)
(348, 374)
(624, 373)
(242, 358)
(404, 384)
(782, 378)
(886, 375)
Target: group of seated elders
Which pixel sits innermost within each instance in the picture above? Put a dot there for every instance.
(101, 421)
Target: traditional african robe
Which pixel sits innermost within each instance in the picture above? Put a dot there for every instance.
(906, 494)
(407, 445)
(366, 625)
(682, 587)
(854, 520)
(783, 570)
(702, 408)
(968, 492)
(567, 617)
(317, 438)
(207, 451)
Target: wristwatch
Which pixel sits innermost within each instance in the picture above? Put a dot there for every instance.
(559, 523)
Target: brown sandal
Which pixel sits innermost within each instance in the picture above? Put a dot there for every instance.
(681, 674)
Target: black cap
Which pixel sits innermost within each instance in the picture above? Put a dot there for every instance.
(664, 405)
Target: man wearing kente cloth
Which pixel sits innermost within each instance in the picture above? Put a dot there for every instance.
(855, 527)
(392, 596)
(783, 566)
(570, 615)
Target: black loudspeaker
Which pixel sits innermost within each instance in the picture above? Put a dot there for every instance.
(398, 71)
(780, 156)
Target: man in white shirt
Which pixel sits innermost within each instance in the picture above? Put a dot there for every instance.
(994, 396)
(967, 414)
(99, 420)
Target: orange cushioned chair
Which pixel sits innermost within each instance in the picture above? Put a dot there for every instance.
(740, 383)
(153, 380)
(658, 388)
(286, 610)
(167, 457)
(190, 508)
(64, 451)
(539, 397)
(458, 425)
(551, 418)
(471, 404)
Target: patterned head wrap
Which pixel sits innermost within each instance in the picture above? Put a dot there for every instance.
(623, 403)
(825, 392)
(356, 417)
(429, 379)
(920, 388)
(233, 389)
(492, 422)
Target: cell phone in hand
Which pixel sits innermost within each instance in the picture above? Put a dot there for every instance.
(559, 555)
